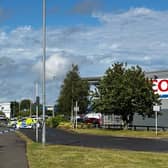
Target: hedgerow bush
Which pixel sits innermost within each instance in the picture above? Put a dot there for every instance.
(53, 122)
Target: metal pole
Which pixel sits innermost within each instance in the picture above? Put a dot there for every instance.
(72, 108)
(53, 114)
(19, 106)
(76, 109)
(156, 123)
(37, 121)
(44, 78)
(20, 103)
(30, 108)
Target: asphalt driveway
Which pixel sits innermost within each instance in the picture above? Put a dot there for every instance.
(62, 137)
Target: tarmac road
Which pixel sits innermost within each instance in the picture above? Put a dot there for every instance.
(58, 136)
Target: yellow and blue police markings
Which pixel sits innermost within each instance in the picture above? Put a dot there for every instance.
(26, 123)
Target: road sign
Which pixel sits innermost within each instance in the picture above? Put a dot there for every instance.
(76, 108)
(156, 108)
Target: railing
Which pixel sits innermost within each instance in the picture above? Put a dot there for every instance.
(148, 127)
(135, 127)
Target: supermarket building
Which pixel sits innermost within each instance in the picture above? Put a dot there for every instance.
(160, 80)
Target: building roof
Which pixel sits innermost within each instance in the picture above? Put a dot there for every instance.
(151, 74)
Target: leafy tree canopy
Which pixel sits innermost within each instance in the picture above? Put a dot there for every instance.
(73, 89)
(25, 104)
(125, 91)
(14, 108)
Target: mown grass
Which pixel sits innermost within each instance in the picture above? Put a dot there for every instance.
(112, 132)
(79, 157)
(58, 156)
(124, 133)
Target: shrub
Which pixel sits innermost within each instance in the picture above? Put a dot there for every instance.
(66, 125)
(54, 121)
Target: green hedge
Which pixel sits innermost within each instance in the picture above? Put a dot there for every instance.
(54, 121)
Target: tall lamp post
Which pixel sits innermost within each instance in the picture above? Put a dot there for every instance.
(43, 74)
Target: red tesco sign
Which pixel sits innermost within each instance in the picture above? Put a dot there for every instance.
(160, 86)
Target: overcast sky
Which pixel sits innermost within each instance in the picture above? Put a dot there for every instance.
(91, 33)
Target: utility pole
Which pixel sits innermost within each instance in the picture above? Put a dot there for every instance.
(43, 74)
(53, 112)
(72, 108)
(37, 109)
(30, 108)
(20, 105)
(76, 109)
(156, 109)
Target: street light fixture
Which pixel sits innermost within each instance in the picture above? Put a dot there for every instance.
(43, 74)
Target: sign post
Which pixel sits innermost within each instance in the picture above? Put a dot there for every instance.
(156, 108)
(76, 109)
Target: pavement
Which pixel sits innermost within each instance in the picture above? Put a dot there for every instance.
(62, 137)
(12, 151)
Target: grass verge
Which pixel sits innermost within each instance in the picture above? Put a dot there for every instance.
(123, 133)
(58, 156)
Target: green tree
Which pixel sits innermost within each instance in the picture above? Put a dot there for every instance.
(73, 89)
(25, 106)
(126, 91)
(14, 108)
(2, 113)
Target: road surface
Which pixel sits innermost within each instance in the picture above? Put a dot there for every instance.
(58, 136)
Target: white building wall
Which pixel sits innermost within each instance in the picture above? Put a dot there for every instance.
(6, 109)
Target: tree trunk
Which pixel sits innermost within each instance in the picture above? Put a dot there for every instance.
(125, 125)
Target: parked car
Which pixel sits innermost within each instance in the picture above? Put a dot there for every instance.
(12, 122)
(94, 121)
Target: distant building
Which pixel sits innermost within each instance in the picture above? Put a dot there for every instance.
(5, 107)
(160, 82)
(50, 110)
(49, 107)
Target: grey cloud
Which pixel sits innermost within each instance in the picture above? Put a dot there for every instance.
(6, 61)
(16, 79)
(20, 42)
(121, 37)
